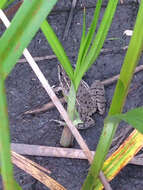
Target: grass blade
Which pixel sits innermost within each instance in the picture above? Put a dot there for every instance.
(97, 42)
(5, 155)
(93, 26)
(85, 44)
(128, 68)
(133, 117)
(22, 29)
(57, 48)
(102, 32)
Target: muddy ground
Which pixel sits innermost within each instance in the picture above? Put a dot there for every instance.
(24, 92)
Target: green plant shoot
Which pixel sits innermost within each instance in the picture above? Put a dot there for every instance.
(120, 94)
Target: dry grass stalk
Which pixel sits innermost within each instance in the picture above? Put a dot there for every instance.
(38, 150)
(35, 170)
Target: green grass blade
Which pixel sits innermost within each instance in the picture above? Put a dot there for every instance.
(97, 42)
(5, 155)
(133, 117)
(2, 3)
(22, 29)
(102, 32)
(88, 39)
(57, 48)
(130, 62)
(91, 32)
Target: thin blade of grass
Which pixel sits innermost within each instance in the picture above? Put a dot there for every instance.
(24, 26)
(102, 33)
(9, 182)
(97, 42)
(128, 68)
(93, 26)
(85, 44)
(57, 48)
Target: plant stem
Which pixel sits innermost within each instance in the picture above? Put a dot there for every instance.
(67, 137)
(5, 155)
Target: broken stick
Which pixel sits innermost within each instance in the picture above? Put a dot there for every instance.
(38, 150)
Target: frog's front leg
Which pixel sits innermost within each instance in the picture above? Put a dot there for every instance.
(87, 123)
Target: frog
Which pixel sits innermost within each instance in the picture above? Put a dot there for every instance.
(89, 99)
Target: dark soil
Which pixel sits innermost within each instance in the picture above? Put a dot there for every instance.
(24, 92)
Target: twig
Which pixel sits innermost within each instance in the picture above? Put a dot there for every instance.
(69, 19)
(44, 108)
(37, 150)
(42, 58)
(110, 50)
(115, 78)
(137, 160)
